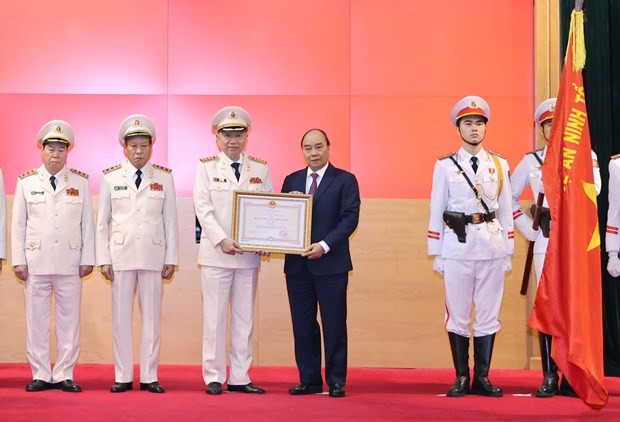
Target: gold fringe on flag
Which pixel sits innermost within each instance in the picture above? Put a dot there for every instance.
(578, 43)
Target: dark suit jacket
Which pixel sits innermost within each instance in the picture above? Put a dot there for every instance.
(335, 214)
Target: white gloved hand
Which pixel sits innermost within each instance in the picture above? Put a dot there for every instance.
(613, 265)
(438, 264)
(507, 263)
(531, 234)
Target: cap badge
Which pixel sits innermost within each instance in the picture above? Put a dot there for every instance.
(552, 107)
(473, 104)
(136, 122)
(233, 115)
(58, 129)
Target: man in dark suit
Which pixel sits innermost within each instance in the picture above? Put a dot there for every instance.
(320, 275)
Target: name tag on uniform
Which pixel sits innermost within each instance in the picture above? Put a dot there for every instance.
(217, 179)
(34, 192)
(73, 192)
(120, 187)
(157, 187)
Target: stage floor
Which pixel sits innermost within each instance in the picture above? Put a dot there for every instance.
(372, 394)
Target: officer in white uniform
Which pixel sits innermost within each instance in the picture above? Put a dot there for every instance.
(529, 172)
(2, 221)
(53, 247)
(137, 247)
(228, 275)
(612, 238)
(473, 250)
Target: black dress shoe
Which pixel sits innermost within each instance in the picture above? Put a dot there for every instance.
(460, 387)
(214, 388)
(248, 388)
(38, 385)
(121, 387)
(483, 387)
(302, 389)
(337, 390)
(152, 387)
(566, 389)
(549, 387)
(69, 386)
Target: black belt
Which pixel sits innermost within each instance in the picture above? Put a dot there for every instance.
(479, 217)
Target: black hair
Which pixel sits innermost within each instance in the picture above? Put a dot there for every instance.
(458, 121)
(127, 138)
(317, 130)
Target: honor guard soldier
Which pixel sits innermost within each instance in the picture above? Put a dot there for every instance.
(137, 248)
(228, 275)
(612, 238)
(529, 172)
(2, 221)
(471, 236)
(53, 248)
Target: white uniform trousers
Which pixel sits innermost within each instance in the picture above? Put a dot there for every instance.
(477, 281)
(219, 286)
(150, 291)
(539, 261)
(38, 295)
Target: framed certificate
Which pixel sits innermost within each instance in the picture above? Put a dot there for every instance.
(272, 222)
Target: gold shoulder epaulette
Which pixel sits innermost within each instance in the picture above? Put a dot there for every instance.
(109, 169)
(443, 157)
(207, 159)
(79, 173)
(499, 155)
(258, 160)
(613, 157)
(166, 169)
(28, 173)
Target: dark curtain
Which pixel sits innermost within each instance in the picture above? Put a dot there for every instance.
(602, 85)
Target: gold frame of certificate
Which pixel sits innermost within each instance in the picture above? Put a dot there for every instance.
(272, 222)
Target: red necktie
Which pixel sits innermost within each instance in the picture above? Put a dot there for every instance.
(313, 185)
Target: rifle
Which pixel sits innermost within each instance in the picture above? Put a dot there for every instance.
(529, 258)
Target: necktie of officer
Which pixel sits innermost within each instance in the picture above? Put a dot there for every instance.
(53, 182)
(138, 178)
(474, 163)
(313, 185)
(236, 166)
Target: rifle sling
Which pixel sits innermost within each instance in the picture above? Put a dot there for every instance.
(471, 185)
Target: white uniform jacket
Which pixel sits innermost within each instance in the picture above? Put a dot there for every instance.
(451, 192)
(2, 219)
(137, 229)
(612, 239)
(214, 185)
(52, 231)
(529, 171)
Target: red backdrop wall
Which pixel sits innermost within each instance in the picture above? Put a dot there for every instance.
(379, 76)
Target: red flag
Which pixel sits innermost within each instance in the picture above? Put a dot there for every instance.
(568, 304)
